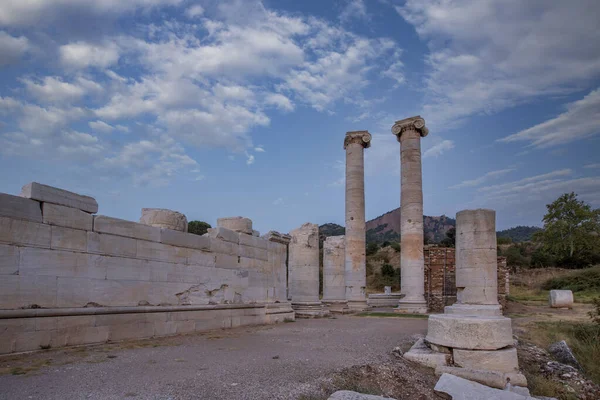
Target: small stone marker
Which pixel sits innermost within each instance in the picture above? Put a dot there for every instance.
(387, 290)
(561, 299)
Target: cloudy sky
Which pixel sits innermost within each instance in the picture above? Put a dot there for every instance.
(239, 107)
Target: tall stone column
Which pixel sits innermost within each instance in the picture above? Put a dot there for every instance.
(355, 252)
(304, 271)
(334, 274)
(412, 267)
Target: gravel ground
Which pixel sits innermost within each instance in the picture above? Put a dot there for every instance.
(269, 362)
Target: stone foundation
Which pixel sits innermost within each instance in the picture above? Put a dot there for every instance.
(384, 300)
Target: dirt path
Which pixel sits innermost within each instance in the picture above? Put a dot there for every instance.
(273, 362)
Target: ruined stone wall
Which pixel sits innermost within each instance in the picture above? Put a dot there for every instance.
(70, 277)
(440, 281)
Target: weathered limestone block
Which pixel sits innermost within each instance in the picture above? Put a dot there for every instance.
(227, 261)
(224, 234)
(183, 239)
(20, 208)
(474, 309)
(9, 259)
(21, 232)
(236, 224)
(161, 252)
(422, 354)
(476, 257)
(334, 269)
(304, 263)
(54, 214)
(274, 236)
(494, 379)
(561, 299)
(253, 252)
(121, 227)
(162, 218)
(202, 258)
(253, 241)
(503, 360)
(39, 262)
(255, 233)
(49, 194)
(470, 332)
(463, 389)
(18, 291)
(102, 243)
(120, 268)
(68, 239)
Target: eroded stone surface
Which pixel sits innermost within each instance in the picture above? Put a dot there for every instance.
(561, 299)
(493, 379)
(162, 218)
(20, 207)
(463, 389)
(422, 354)
(503, 360)
(236, 224)
(470, 332)
(334, 282)
(45, 193)
(304, 264)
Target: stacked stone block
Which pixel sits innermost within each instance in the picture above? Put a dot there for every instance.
(59, 263)
(475, 340)
(304, 271)
(334, 280)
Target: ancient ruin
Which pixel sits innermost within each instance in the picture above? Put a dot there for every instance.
(304, 271)
(69, 277)
(471, 339)
(334, 279)
(355, 253)
(409, 132)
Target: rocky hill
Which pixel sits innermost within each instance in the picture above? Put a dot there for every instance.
(519, 233)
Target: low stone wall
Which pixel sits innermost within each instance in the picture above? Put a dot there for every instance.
(440, 280)
(56, 255)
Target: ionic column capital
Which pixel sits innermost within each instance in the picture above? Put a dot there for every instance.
(361, 137)
(413, 124)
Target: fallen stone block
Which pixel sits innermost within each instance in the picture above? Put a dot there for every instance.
(561, 299)
(494, 379)
(470, 332)
(49, 194)
(463, 389)
(562, 352)
(349, 395)
(422, 354)
(20, 207)
(162, 218)
(503, 360)
(121, 227)
(54, 214)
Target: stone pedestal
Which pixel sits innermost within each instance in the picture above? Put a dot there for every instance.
(473, 330)
(162, 218)
(304, 272)
(334, 280)
(355, 252)
(412, 267)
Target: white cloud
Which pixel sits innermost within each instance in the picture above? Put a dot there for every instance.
(592, 166)
(249, 159)
(259, 149)
(355, 9)
(482, 179)
(489, 55)
(194, 11)
(529, 182)
(52, 89)
(12, 48)
(36, 12)
(278, 201)
(279, 101)
(580, 121)
(84, 55)
(101, 126)
(439, 149)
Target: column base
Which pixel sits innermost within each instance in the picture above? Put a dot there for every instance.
(337, 306)
(310, 309)
(474, 309)
(358, 305)
(411, 306)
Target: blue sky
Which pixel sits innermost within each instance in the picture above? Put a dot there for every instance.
(224, 108)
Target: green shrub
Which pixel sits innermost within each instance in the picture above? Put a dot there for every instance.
(372, 249)
(387, 270)
(396, 247)
(584, 280)
(595, 313)
(198, 227)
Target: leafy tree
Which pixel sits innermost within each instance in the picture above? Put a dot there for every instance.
(372, 249)
(198, 227)
(396, 247)
(450, 238)
(504, 240)
(387, 270)
(571, 232)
